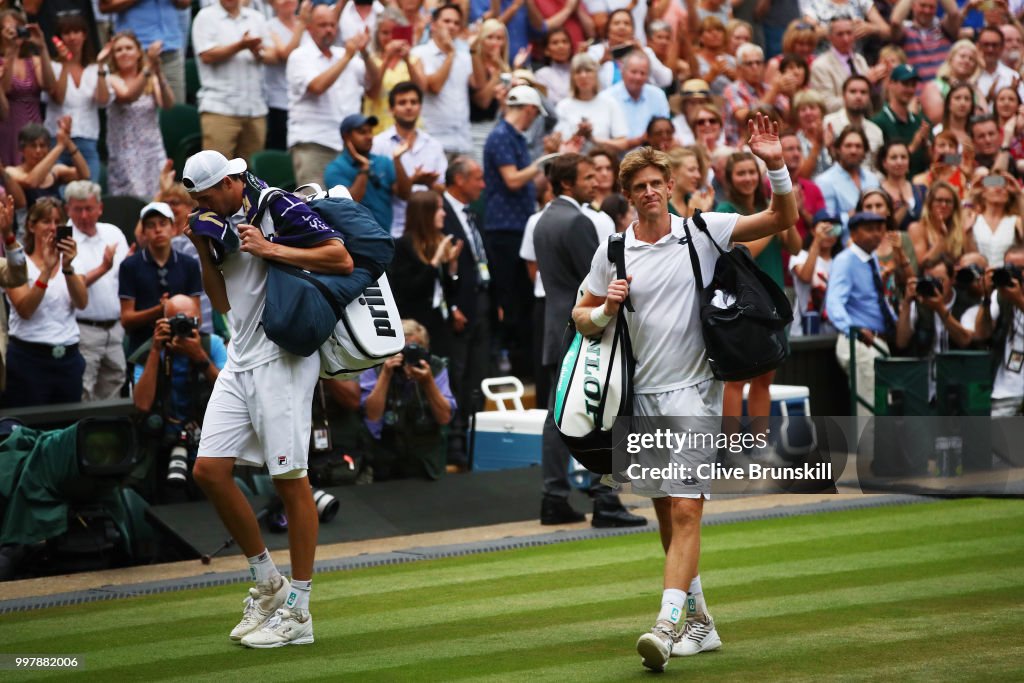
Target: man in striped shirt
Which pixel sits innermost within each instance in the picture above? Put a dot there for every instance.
(925, 38)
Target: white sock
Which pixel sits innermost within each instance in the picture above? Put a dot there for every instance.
(695, 600)
(262, 568)
(298, 596)
(673, 601)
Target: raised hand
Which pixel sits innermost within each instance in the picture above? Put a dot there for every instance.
(153, 54)
(522, 56)
(6, 216)
(764, 140)
(105, 52)
(167, 176)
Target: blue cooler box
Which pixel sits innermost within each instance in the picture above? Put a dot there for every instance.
(505, 439)
(796, 435)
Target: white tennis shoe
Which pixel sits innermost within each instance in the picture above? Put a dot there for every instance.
(655, 647)
(264, 599)
(698, 635)
(286, 627)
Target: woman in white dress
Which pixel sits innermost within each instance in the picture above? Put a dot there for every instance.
(999, 225)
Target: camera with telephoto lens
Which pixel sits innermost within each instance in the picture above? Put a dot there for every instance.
(177, 463)
(326, 505)
(968, 275)
(182, 325)
(928, 287)
(412, 354)
(1004, 277)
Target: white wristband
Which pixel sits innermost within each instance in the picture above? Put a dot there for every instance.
(599, 317)
(780, 181)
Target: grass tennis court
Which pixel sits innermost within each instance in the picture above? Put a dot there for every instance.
(919, 592)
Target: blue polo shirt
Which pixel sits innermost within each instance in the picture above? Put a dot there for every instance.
(342, 171)
(150, 21)
(141, 279)
(507, 210)
(652, 102)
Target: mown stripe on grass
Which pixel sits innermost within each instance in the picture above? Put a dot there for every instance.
(770, 574)
(852, 638)
(508, 624)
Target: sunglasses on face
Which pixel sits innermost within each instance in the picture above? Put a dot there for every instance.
(706, 122)
(943, 200)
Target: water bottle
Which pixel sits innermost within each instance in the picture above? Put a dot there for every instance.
(941, 455)
(951, 466)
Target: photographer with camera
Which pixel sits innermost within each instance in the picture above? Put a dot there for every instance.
(1000, 319)
(927, 325)
(407, 403)
(174, 376)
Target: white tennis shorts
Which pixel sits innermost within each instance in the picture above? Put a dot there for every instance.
(263, 416)
(695, 408)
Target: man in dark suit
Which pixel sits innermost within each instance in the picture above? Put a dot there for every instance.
(565, 242)
(472, 308)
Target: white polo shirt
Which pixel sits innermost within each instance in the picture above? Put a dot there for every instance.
(426, 153)
(351, 24)
(233, 87)
(104, 302)
(446, 114)
(665, 328)
(316, 118)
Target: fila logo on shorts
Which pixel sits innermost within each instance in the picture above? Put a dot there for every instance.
(282, 460)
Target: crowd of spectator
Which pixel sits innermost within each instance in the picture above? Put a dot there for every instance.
(901, 123)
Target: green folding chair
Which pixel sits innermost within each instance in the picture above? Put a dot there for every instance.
(274, 167)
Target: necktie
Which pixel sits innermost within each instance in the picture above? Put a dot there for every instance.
(475, 241)
(890, 320)
(853, 69)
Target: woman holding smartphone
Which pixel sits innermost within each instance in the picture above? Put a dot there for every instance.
(621, 41)
(946, 162)
(392, 45)
(43, 362)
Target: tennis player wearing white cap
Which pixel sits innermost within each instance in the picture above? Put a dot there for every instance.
(259, 411)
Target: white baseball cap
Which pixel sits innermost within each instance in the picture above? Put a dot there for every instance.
(156, 207)
(521, 95)
(207, 168)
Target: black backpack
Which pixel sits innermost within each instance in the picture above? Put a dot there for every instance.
(747, 338)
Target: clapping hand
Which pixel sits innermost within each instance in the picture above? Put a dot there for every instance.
(522, 56)
(153, 55)
(105, 52)
(6, 216)
(423, 177)
(167, 176)
(64, 131)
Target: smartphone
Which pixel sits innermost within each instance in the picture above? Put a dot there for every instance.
(506, 79)
(21, 32)
(952, 159)
(836, 230)
(621, 51)
(63, 232)
(993, 181)
(402, 33)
